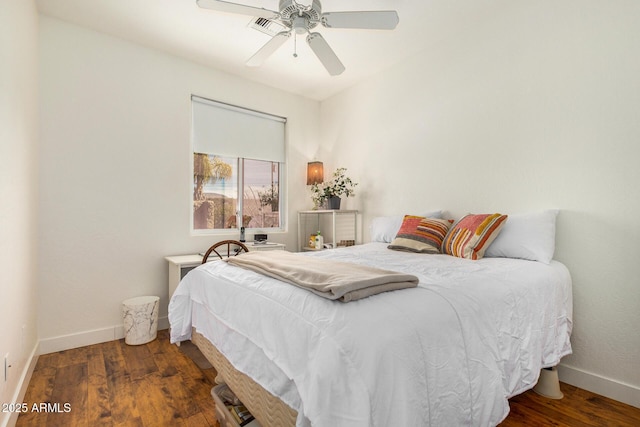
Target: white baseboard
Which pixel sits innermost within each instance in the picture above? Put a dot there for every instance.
(95, 336)
(23, 384)
(616, 390)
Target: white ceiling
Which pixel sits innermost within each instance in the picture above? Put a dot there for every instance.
(224, 41)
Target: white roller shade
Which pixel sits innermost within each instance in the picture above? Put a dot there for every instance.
(227, 130)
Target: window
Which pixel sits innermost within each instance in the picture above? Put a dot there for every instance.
(238, 158)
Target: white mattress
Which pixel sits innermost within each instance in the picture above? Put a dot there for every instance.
(449, 352)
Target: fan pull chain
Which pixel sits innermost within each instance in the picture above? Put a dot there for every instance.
(295, 45)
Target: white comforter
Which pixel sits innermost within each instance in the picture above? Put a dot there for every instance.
(449, 352)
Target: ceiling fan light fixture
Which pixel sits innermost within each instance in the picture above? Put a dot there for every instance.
(301, 18)
(300, 25)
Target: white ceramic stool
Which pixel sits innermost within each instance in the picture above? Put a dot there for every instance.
(140, 319)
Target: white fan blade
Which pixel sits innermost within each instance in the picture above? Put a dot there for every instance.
(225, 6)
(325, 54)
(373, 20)
(268, 49)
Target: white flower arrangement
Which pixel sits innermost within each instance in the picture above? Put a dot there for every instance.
(339, 185)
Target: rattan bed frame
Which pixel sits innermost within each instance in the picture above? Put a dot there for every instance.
(269, 410)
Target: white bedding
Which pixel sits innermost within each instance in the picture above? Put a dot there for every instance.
(449, 352)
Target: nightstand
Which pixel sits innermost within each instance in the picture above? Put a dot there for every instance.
(180, 265)
(338, 227)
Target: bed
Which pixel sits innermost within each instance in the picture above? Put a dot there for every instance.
(450, 351)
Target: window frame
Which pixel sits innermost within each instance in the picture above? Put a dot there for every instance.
(282, 181)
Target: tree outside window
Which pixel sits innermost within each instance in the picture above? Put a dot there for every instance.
(225, 188)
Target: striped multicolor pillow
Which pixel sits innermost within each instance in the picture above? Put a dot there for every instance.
(420, 234)
(472, 235)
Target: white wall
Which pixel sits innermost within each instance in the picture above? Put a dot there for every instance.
(534, 108)
(114, 177)
(18, 203)
(538, 107)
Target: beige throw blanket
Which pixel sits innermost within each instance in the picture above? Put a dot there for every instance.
(330, 279)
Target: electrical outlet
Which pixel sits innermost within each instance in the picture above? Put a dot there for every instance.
(6, 367)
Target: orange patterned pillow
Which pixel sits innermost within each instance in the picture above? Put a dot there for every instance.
(472, 235)
(420, 234)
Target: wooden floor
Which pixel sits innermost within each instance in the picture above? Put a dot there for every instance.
(114, 384)
(157, 384)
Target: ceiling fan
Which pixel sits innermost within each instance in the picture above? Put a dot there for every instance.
(302, 19)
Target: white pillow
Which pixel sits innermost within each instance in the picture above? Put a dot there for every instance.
(529, 236)
(384, 228)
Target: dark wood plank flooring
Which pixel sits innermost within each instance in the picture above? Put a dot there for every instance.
(157, 384)
(114, 384)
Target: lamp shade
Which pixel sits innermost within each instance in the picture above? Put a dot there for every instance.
(315, 173)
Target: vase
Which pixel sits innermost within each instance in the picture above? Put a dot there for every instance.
(334, 202)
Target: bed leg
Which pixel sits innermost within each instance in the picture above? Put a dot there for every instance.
(548, 384)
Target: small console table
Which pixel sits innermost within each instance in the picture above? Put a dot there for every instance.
(180, 265)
